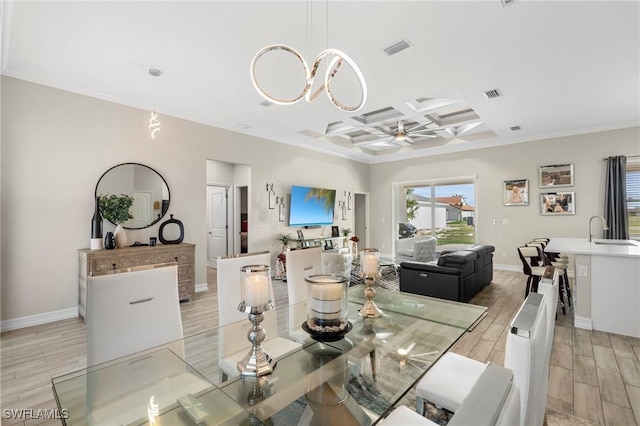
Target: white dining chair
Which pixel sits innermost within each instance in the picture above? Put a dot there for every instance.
(234, 325)
(131, 311)
(300, 264)
(448, 382)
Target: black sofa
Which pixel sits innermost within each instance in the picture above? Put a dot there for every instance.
(455, 276)
(483, 265)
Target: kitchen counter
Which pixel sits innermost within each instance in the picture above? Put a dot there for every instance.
(597, 246)
(607, 283)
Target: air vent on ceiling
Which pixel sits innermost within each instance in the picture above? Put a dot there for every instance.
(514, 128)
(398, 47)
(494, 93)
(266, 103)
(507, 2)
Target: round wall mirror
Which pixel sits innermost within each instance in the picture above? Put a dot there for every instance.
(148, 188)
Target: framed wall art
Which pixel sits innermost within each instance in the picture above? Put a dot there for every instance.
(516, 192)
(557, 203)
(556, 175)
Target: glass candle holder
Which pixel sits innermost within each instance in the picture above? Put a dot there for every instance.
(370, 270)
(327, 307)
(256, 298)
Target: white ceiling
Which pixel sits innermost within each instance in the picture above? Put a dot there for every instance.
(563, 67)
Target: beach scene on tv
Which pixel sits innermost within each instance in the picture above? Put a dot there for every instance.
(311, 206)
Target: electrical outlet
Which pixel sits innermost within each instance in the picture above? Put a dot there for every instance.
(505, 221)
(504, 255)
(583, 271)
(493, 221)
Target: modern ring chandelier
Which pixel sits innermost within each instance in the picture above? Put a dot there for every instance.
(332, 70)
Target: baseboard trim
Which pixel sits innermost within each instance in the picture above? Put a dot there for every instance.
(202, 287)
(38, 319)
(510, 268)
(582, 322)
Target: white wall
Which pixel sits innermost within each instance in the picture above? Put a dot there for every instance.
(495, 165)
(56, 145)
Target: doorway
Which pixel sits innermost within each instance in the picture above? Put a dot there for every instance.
(218, 222)
(361, 218)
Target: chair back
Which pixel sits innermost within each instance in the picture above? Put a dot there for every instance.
(529, 255)
(229, 286)
(527, 355)
(300, 264)
(549, 287)
(131, 311)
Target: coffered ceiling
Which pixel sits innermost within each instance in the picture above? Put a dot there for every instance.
(477, 73)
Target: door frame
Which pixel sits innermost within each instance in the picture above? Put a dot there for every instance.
(366, 238)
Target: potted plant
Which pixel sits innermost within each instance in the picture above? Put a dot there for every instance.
(116, 210)
(284, 239)
(345, 233)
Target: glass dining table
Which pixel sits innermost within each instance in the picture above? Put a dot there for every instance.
(352, 381)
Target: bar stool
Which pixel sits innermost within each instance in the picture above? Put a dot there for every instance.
(530, 257)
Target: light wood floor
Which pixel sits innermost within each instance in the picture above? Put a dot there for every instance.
(595, 376)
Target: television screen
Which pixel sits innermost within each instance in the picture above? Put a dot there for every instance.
(311, 206)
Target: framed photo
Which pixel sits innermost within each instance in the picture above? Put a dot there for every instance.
(557, 175)
(300, 235)
(557, 203)
(328, 245)
(516, 192)
(335, 231)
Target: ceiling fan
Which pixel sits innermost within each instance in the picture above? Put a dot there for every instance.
(403, 136)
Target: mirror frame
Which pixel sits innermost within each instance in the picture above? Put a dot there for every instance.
(153, 170)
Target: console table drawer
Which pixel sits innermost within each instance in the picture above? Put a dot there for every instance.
(96, 261)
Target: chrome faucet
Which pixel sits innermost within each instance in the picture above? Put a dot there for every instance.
(604, 222)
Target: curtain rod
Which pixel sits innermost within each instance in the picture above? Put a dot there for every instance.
(628, 156)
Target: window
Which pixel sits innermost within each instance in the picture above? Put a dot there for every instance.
(633, 196)
(445, 210)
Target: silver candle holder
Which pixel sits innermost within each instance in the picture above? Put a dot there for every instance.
(369, 270)
(257, 298)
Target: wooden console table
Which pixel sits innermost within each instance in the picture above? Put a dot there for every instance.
(95, 261)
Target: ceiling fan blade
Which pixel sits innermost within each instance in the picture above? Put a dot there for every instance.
(419, 126)
(424, 135)
(407, 141)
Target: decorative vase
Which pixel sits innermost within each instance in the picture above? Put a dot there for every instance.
(96, 227)
(109, 241)
(120, 236)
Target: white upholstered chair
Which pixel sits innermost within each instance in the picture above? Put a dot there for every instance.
(416, 249)
(128, 312)
(452, 377)
(493, 400)
(300, 264)
(234, 324)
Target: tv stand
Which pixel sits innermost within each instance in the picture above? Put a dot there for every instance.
(327, 243)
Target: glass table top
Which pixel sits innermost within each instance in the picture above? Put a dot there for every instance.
(354, 380)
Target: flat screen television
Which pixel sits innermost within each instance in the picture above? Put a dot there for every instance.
(311, 206)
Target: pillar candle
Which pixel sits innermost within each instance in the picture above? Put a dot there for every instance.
(256, 290)
(370, 264)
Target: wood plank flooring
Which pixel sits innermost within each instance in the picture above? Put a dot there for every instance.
(594, 378)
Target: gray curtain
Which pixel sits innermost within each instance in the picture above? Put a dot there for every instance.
(615, 198)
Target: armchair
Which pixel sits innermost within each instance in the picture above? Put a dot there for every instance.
(415, 249)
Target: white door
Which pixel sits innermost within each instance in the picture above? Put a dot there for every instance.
(217, 207)
(141, 210)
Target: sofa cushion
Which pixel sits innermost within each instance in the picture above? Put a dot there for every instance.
(463, 260)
